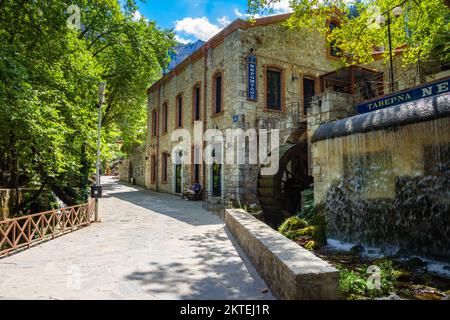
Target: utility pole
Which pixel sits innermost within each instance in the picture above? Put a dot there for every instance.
(97, 190)
(397, 11)
(391, 60)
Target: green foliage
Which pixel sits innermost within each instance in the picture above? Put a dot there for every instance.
(307, 228)
(308, 210)
(423, 27)
(49, 76)
(291, 225)
(353, 283)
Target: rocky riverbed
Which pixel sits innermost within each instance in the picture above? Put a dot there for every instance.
(401, 277)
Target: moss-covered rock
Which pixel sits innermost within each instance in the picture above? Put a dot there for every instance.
(296, 227)
(311, 245)
(292, 224)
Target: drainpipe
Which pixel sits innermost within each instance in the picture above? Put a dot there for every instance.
(205, 87)
(157, 141)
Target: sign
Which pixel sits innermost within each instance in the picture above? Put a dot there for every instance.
(424, 91)
(235, 118)
(96, 192)
(252, 86)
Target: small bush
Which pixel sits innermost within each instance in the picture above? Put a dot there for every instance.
(353, 283)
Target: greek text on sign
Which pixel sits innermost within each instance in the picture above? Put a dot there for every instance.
(424, 91)
(252, 78)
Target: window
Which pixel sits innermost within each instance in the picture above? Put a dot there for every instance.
(165, 117)
(274, 89)
(153, 169)
(309, 91)
(179, 112)
(217, 93)
(334, 50)
(165, 159)
(196, 112)
(154, 123)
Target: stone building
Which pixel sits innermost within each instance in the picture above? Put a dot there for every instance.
(259, 75)
(211, 88)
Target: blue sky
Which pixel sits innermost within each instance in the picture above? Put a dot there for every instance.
(197, 19)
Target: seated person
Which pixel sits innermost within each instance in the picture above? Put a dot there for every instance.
(193, 191)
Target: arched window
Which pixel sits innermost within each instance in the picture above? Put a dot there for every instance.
(217, 85)
(196, 102)
(333, 50)
(165, 122)
(179, 111)
(274, 88)
(154, 123)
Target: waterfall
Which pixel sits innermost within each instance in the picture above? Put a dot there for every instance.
(390, 187)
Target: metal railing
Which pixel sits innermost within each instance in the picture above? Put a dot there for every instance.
(25, 231)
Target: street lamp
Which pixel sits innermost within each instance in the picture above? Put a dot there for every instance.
(97, 190)
(381, 20)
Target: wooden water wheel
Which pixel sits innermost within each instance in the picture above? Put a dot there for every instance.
(280, 194)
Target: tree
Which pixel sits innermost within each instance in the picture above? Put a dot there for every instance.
(422, 30)
(49, 74)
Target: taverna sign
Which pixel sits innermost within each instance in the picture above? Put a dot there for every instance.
(423, 91)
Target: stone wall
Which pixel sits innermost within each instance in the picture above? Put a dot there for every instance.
(290, 271)
(138, 164)
(405, 75)
(326, 107)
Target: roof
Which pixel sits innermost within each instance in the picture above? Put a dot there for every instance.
(216, 41)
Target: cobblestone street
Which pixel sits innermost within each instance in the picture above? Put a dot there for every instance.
(148, 246)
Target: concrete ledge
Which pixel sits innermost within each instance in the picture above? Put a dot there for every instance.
(290, 271)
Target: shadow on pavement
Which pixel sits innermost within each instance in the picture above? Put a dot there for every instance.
(172, 206)
(217, 273)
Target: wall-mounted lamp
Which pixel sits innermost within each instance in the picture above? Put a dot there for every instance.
(295, 77)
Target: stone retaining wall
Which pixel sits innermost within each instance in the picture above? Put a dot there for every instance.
(290, 271)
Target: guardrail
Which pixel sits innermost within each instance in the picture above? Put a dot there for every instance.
(25, 231)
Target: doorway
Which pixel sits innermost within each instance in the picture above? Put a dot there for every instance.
(309, 91)
(178, 184)
(217, 180)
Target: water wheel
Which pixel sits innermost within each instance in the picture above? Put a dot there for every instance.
(280, 194)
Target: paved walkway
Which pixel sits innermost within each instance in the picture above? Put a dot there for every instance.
(148, 246)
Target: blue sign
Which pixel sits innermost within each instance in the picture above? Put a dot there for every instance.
(252, 78)
(424, 91)
(235, 119)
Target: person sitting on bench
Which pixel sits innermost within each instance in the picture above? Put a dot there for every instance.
(193, 192)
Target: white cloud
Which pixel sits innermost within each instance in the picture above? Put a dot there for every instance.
(246, 15)
(200, 28)
(238, 13)
(182, 40)
(282, 6)
(224, 21)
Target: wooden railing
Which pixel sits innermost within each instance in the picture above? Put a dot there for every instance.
(23, 232)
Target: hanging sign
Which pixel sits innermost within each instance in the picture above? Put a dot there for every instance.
(423, 91)
(252, 78)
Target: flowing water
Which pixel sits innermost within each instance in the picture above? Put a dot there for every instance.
(390, 188)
